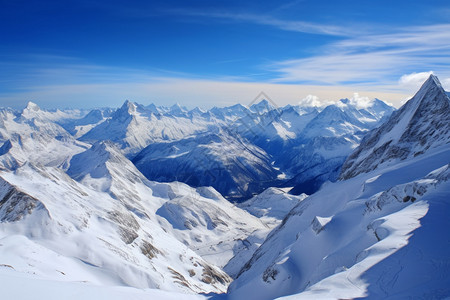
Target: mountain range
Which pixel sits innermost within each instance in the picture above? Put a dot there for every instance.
(259, 202)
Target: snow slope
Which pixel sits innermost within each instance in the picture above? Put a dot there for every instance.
(56, 290)
(272, 205)
(200, 218)
(73, 233)
(331, 245)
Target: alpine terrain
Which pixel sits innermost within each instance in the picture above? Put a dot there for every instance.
(348, 200)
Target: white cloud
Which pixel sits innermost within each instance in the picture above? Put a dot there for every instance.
(260, 19)
(373, 58)
(446, 84)
(314, 101)
(414, 80)
(360, 102)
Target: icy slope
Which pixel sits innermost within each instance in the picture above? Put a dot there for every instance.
(422, 123)
(271, 206)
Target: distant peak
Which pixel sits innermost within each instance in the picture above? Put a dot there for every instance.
(32, 106)
(262, 106)
(128, 106)
(264, 102)
(128, 103)
(177, 108)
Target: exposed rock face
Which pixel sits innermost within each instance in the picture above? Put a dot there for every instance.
(15, 204)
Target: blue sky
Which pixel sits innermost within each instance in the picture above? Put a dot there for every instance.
(99, 53)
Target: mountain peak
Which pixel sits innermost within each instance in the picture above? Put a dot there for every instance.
(262, 107)
(177, 107)
(31, 111)
(125, 111)
(128, 106)
(433, 79)
(153, 108)
(420, 124)
(431, 83)
(31, 106)
(430, 92)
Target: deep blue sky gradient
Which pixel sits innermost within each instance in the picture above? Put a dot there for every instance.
(53, 43)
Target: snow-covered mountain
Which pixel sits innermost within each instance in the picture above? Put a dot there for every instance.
(377, 234)
(422, 123)
(199, 218)
(74, 233)
(289, 146)
(32, 136)
(132, 231)
(310, 144)
(133, 127)
(230, 113)
(300, 146)
(318, 153)
(80, 126)
(262, 107)
(230, 164)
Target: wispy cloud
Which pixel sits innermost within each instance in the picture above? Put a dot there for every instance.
(268, 20)
(373, 59)
(414, 79)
